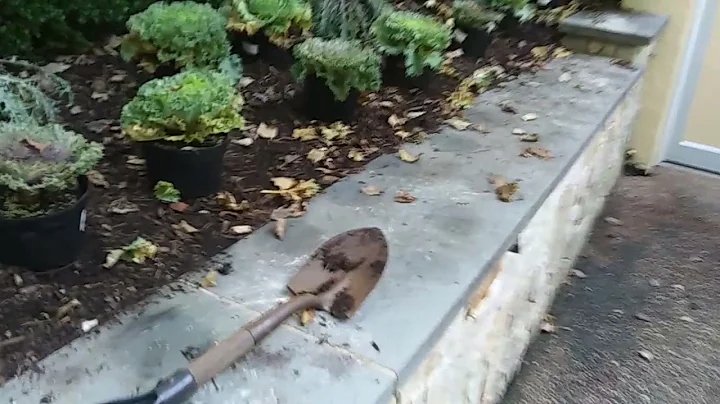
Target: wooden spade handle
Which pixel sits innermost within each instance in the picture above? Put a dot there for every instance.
(228, 351)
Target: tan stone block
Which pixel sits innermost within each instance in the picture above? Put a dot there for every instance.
(608, 50)
(595, 47)
(626, 53)
(576, 44)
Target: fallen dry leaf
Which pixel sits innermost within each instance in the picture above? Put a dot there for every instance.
(117, 78)
(241, 229)
(135, 161)
(280, 225)
(403, 134)
(371, 190)
(294, 210)
(407, 157)
(284, 183)
(565, 77)
(307, 316)
(266, 132)
(530, 137)
(245, 142)
(415, 114)
(179, 207)
(536, 152)
(137, 251)
(561, 52)
(386, 104)
(530, 117)
(508, 108)
(209, 280)
(292, 189)
(337, 130)
(540, 52)
(403, 196)
(395, 122)
(519, 132)
(459, 124)
(305, 134)
(122, 206)
(38, 146)
(99, 126)
(76, 110)
(186, 227)
(99, 96)
(315, 155)
(97, 179)
(505, 191)
(228, 202)
(356, 155)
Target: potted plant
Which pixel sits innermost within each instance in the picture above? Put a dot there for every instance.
(43, 194)
(281, 24)
(349, 20)
(29, 97)
(334, 72)
(414, 44)
(516, 12)
(477, 22)
(182, 122)
(167, 37)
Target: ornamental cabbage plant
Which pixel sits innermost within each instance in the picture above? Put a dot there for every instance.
(420, 38)
(193, 107)
(343, 65)
(40, 166)
(186, 33)
(274, 18)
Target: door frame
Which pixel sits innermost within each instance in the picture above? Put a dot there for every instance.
(673, 148)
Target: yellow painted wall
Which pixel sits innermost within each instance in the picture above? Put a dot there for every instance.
(703, 121)
(661, 76)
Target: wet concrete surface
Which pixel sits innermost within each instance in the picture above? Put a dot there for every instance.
(642, 325)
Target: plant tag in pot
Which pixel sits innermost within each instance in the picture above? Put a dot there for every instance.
(83, 218)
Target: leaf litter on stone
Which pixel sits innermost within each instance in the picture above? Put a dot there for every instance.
(122, 206)
(530, 117)
(505, 191)
(404, 196)
(292, 189)
(280, 227)
(407, 157)
(538, 152)
(209, 280)
(530, 137)
(241, 229)
(458, 123)
(371, 190)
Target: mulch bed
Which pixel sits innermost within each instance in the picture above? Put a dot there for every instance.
(41, 313)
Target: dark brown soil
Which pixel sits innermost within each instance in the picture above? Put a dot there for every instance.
(41, 313)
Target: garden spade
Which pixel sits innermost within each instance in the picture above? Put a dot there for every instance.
(336, 278)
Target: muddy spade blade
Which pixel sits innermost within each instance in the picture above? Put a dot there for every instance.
(344, 270)
(337, 278)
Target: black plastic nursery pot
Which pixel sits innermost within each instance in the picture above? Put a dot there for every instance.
(247, 46)
(194, 171)
(476, 42)
(550, 4)
(277, 56)
(510, 24)
(47, 242)
(321, 104)
(165, 70)
(394, 74)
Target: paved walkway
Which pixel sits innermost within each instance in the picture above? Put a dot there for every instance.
(643, 325)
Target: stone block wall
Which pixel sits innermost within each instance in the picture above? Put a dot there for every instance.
(477, 357)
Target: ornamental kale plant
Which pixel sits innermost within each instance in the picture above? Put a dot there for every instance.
(40, 166)
(274, 18)
(522, 9)
(28, 99)
(192, 107)
(349, 20)
(420, 38)
(470, 14)
(186, 33)
(344, 65)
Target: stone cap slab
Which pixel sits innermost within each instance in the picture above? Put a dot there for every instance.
(634, 28)
(441, 248)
